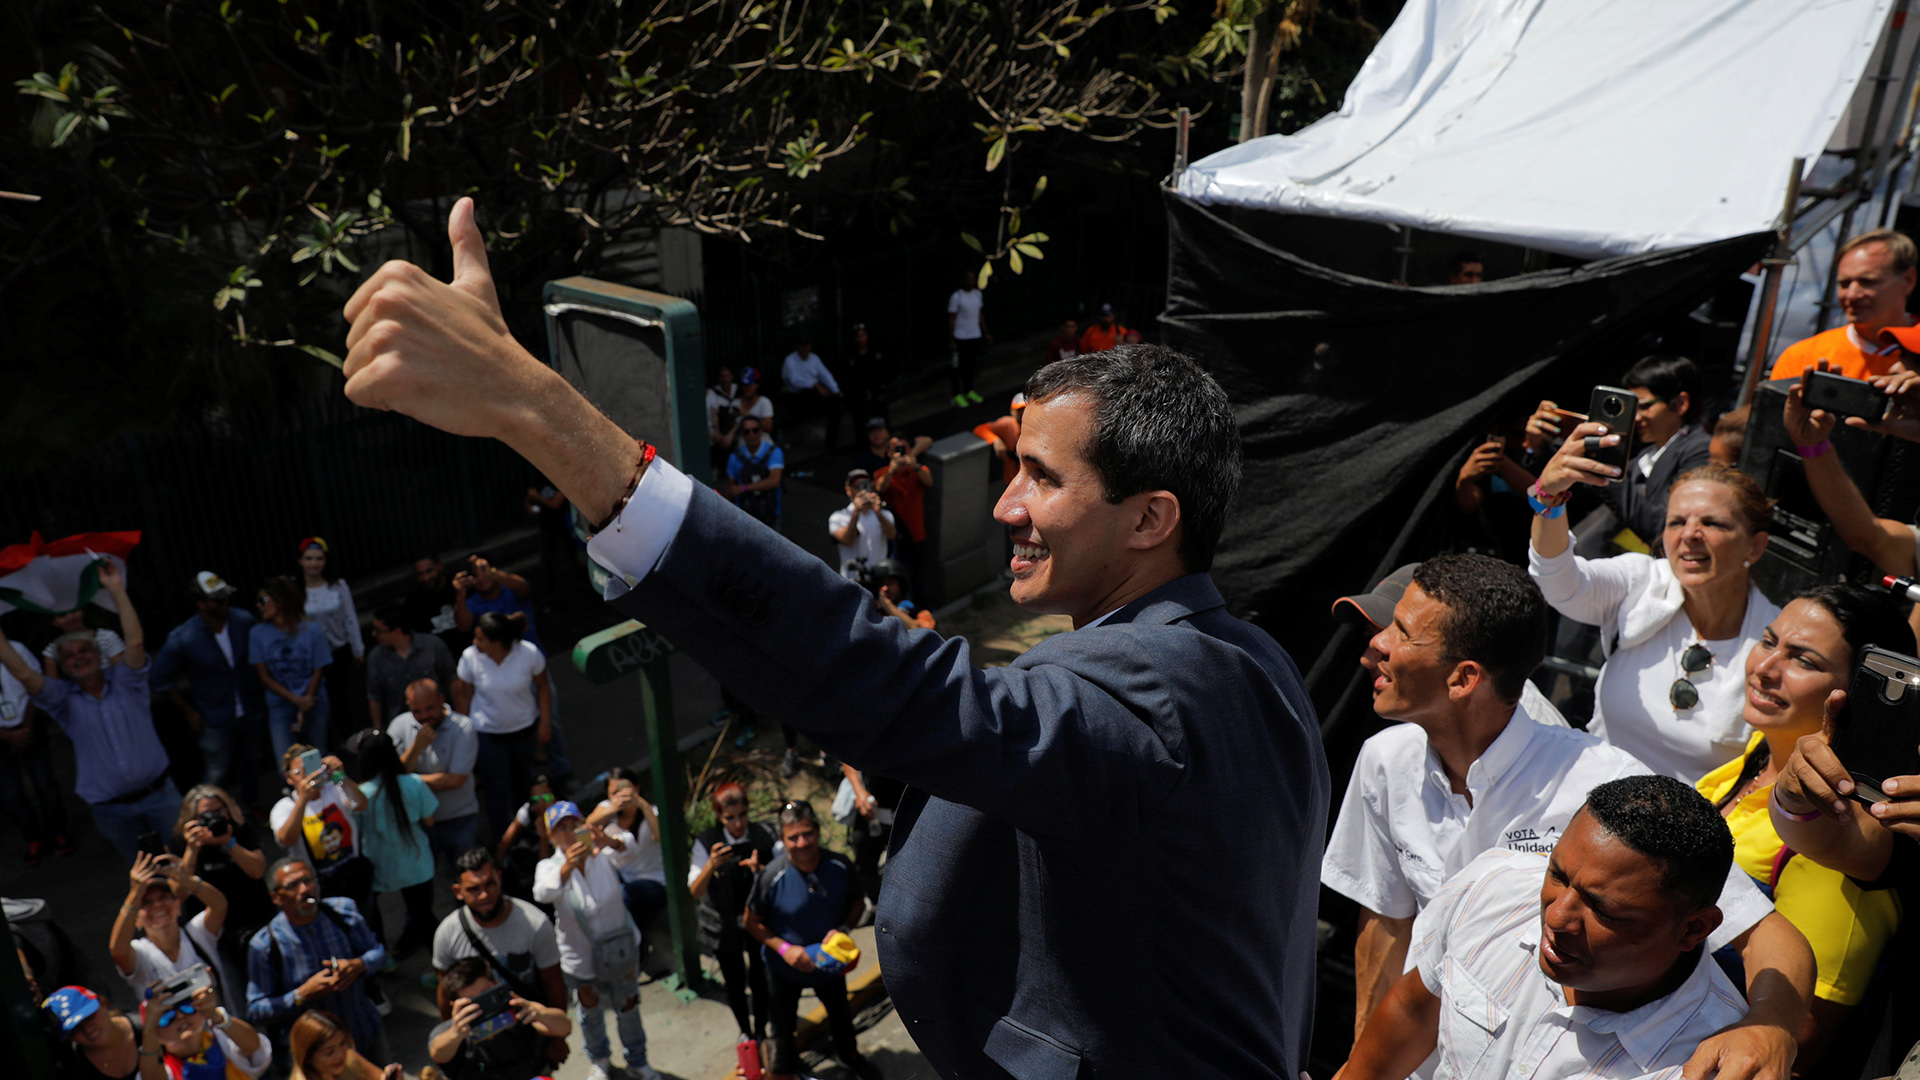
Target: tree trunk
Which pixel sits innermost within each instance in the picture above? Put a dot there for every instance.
(1256, 92)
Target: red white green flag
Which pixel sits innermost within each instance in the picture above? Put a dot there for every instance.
(52, 576)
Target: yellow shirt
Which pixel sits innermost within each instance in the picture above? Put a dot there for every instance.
(1847, 926)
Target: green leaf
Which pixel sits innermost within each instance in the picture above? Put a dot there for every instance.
(986, 274)
(319, 353)
(970, 240)
(1039, 188)
(1029, 251)
(996, 152)
(63, 127)
(1013, 262)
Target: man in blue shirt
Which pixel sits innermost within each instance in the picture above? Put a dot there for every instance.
(121, 766)
(754, 469)
(802, 896)
(315, 954)
(229, 706)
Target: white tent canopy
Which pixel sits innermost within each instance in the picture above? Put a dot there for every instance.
(1585, 127)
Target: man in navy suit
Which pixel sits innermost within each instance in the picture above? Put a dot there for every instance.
(229, 705)
(1106, 864)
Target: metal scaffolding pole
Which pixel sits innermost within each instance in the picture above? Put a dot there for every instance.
(1775, 262)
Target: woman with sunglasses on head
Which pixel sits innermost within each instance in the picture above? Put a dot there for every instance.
(1804, 655)
(198, 1040)
(1675, 627)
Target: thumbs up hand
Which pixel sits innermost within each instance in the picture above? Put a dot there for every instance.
(440, 352)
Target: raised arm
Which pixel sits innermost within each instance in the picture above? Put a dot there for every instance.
(136, 639)
(1889, 544)
(29, 676)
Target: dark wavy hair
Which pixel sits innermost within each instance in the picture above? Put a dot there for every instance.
(1160, 424)
(1496, 616)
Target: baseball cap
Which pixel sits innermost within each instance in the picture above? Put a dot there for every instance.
(1106, 309)
(561, 811)
(70, 1005)
(1375, 609)
(858, 474)
(876, 422)
(749, 376)
(1907, 336)
(209, 585)
(1019, 402)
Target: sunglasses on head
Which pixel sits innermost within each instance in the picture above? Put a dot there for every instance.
(1683, 694)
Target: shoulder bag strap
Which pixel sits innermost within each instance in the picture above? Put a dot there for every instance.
(480, 946)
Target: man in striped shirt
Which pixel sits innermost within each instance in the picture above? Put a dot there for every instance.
(1599, 970)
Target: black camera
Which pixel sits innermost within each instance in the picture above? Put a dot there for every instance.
(214, 821)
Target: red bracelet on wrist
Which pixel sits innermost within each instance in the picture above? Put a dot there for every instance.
(1549, 500)
(633, 485)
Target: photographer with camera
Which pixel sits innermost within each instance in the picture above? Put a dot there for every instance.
(725, 860)
(164, 946)
(493, 1033)
(864, 528)
(214, 840)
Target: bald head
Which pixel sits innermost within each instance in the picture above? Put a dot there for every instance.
(425, 701)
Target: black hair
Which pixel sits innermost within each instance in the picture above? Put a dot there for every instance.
(1664, 819)
(1667, 377)
(392, 614)
(1866, 616)
(1495, 617)
(1160, 423)
(465, 972)
(796, 812)
(1462, 258)
(502, 627)
(378, 758)
(472, 861)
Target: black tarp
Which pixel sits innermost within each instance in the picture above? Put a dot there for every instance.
(1351, 455)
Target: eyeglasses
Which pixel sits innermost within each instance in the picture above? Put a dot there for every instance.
(174, 1013)
(1683, 694)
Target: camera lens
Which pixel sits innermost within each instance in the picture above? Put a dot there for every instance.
(1612, 406)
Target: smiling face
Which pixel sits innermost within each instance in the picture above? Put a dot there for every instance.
(1871, 291)
(1409, 661)
(1069, 544)
(328, 1057)
(80, 660)
(1706, 540)
(1607, 928)
(1657, 420)
(802, 840)
(430, 573)
(1801, 658)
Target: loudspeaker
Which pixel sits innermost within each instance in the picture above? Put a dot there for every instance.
(1803, 550)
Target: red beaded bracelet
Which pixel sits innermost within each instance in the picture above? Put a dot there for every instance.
(633, 485)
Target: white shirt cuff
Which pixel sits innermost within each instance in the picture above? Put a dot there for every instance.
(632, 546)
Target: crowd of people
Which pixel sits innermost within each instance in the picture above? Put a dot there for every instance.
(247, 961)
(1690, 856)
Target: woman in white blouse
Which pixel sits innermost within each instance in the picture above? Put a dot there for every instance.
(330, 606)
(1675, 629)
(501, 683)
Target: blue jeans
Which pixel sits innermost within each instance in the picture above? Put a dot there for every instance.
(232, 751)
(280, 714)
(454, 835)
(123, 823)
(593, 1022)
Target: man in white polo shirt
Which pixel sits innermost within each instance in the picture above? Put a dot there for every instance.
(1591, 962)
(1475, 768)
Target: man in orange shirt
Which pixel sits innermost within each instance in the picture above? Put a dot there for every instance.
(1104, 334)
(1876, 272)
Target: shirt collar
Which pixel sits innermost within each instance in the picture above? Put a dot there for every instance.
(1505, 751)
(1875, 348)
(1644, 1033)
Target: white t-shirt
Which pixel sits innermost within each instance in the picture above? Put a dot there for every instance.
(504, 700)
(150, 965)
(1402, 832)
(328, 825)
(647, 863)
(718, 405)
(596, 889)
(965, 305)
(870, 543)
(13, 692)
(1477, 948)
(761, 409)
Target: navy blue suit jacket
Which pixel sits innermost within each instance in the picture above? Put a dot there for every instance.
(190, 648)
(1108, 864)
